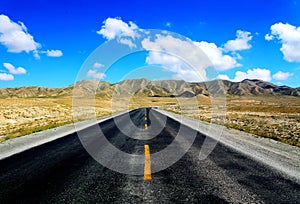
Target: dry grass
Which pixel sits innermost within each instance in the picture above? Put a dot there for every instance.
(272, 117)
(24, 116)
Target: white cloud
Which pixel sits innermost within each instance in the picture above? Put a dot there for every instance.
(36, 54)
(198, 54)
(54, 53)
(289, 36)
(15, 37)
(240, 43)
(128, 42)
(174, 50)
(211, 55)
(256, 73)
(95, 74)
(268, 37)
(23, 26)
(223, 76)
(168, 24)
(6, 77)
(13, 70)
(220, 61)
(173, 64)
(115, 27)
(169, 62)
(281, 76)
(98, 65)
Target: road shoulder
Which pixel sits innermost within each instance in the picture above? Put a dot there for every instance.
(283, 157)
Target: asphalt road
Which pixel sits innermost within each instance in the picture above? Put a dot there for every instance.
(62, 171)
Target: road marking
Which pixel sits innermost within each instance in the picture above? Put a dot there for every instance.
(147, 169)
(146, 125)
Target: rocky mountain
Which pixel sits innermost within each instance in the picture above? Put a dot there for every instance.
(258, 87)
(145, 87)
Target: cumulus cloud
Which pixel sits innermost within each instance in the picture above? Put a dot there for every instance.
(211, 54)
(268, 37)
(281, 76)
(115, 27)
(173, 64)
(14, 36)
(240, 43)
(6, 77)
(128, 42)
(93, 72)
(289, 36)
(256, 73)
(179, 49)
(98, 65)
(215, 54)
(223, 76)
(96, 75)
(198, 54)
(167, 60)
(13, 70)
(54, 53)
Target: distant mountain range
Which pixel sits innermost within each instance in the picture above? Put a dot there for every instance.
(145, 87)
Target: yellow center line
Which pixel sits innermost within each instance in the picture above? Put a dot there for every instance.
(147, 168)
(146, 124)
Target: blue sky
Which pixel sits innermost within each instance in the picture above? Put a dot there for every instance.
(243, 39)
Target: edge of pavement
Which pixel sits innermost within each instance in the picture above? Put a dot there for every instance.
(20, 144)
(283, 157)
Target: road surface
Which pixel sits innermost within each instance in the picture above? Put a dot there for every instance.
(63, 171)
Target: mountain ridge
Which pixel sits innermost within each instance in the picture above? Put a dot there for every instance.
(147, 88)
